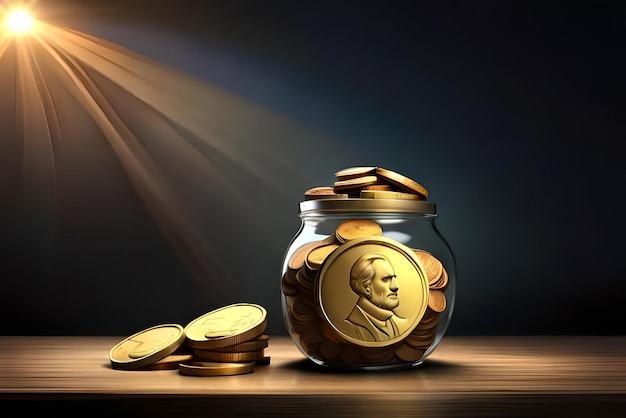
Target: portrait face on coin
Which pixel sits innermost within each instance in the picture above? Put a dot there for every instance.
(381, 284)
(373, 291)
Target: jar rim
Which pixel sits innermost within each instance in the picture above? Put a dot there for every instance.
(368, 205)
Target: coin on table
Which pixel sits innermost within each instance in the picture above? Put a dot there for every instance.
(226, 326)
(356, 228)
(207, 368)
(252, 345)
(219, 356)
(170, 362)
(147, 346)
(401, 181)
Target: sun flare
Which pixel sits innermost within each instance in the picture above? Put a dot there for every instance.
(19, 22)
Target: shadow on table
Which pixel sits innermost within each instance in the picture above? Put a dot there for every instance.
(428, 366)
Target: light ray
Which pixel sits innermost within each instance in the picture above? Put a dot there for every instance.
(142, 171)
(38, 181)
(50, 114)
(5, 41)
(19, 21)
(155, 90)
(195, 154)
(170, 91)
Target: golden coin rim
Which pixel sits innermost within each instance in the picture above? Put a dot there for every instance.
(437, 300)
(408, 253)
(247, 333)
(354, 182)
(374, 229)
(389, 194)
(315, 264)
(170, 362)
(302, 252)
(215, 368)
(351, 172)
(224, 357)
(320, 190)
(252, 345)
(168, 348)
(402, 181)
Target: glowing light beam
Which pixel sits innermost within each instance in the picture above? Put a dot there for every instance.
(19, 22)
(196, 155)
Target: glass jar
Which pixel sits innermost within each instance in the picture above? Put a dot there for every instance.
(367, 283)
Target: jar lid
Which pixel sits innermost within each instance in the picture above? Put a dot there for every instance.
(368, 205)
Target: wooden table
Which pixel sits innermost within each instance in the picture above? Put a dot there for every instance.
(465, 376)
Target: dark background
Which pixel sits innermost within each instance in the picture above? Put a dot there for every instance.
(511, 114)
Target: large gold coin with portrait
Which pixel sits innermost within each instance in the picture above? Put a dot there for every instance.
(372, 291)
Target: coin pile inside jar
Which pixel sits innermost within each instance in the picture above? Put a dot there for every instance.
(312, 330)
(224, 342)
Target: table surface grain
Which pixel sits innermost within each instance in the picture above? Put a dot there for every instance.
(465, 376)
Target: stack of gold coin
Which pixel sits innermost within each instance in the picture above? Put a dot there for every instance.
(312, 330)
(223, 342)
(369, 183)
(232, 334)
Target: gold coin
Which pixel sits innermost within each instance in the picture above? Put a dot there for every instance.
(430, 316)
(311, 332)
(432, 266)
(330, 335)
(226, 326)
(341, 185)
(302, 311)
(437, 301)
(296, 260)
(252, 345)
(356, 228)
(346, 292)
(408, 353)
(147, 346)
(388, 194)
(421, 341)
(170, 362)
(316, 257)
(383, 187)
(402, 182)
(442, 282)
(203, 368)
(353, 172)
(378, 354)
(323, 192)
(304, 279)
(245, 356)
(288, 285)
